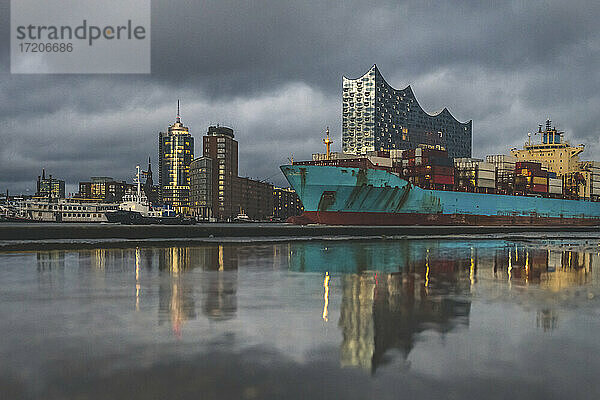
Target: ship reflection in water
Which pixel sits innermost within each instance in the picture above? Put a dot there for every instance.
(391, 293)
(345, 311)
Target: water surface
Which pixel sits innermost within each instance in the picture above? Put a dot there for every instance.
(322, 319)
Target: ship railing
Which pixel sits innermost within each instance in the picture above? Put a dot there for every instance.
(364, 163)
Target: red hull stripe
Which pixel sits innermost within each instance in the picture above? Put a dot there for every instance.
(376, 218)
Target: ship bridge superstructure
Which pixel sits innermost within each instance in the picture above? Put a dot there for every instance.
(555, 153)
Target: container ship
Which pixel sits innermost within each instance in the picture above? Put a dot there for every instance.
(541, 184)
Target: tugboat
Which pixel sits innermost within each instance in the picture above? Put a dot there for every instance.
(242, 217)
(136, 210)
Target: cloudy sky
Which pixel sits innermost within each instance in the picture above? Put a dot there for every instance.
(272, 70)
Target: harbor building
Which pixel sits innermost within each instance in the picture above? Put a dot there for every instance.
(220, 146)
(217, 193)
(50, 187)
(286, 203)
(201, 189)
(175, 153)
(253, 198)
(104, 189)
(376, 117)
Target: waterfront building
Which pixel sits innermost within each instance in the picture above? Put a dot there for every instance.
(253, 198)
(286, 203)
(175, 152)
(216, 191)
(376, 116)
(50, 187)
(201, 189)
(220, 146)
(103, 188)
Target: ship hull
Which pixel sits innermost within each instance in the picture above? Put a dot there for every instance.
(135, 218)
(355, 196)
(395, 219)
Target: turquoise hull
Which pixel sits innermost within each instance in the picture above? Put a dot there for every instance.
(345, 195)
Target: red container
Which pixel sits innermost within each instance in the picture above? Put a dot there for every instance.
(437, 170)
(539, 188)
(442, 179)
(531, 165)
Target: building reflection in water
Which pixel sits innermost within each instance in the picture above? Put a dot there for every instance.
(385, 311)
(176, 288)
(550, 268)
(219, 283)
(48, 260)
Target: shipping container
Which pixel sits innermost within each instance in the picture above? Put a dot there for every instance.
(486, 183)
(396, 154)
(535, 166)
(483, 174)
(539, 188)
(485, 166)
(554, 182)
(442, 179)
(540, 181)
(555, 189)
(434, 169)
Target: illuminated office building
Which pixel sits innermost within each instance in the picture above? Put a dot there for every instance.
(375, 117)
(175, 152)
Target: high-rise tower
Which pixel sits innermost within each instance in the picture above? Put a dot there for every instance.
(375, 116)
(175, 153)
(222, 149)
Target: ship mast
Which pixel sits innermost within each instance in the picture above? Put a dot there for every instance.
(137, 177)
(328, 143)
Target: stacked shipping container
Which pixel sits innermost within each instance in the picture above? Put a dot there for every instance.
(475, 175)
(426, 168)
(530, 178)
(505, 172)
(595, 178)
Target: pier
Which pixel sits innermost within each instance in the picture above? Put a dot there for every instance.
(25, 236)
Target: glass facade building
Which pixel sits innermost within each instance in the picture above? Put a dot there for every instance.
(375, 116)
(175, 153)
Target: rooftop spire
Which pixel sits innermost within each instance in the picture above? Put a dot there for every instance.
(178, 116)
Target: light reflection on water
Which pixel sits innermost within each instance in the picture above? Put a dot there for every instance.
(442, 315)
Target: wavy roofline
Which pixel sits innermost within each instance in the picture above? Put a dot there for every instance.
(412, 94)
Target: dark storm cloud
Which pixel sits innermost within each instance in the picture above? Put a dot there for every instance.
(272, 70)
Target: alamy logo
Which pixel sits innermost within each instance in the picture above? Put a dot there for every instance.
(80, 36)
